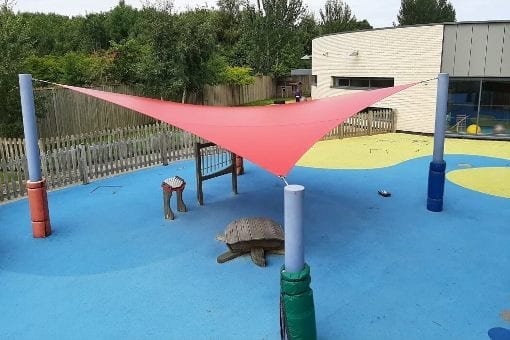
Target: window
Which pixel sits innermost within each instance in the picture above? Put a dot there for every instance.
(342, 82)
(382, 82)
(481, 101)
(314, 80)
(463, 97)
(362, 82)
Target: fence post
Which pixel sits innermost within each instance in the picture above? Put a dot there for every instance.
(84, 171)
(393, 120)
(370, 121)
(341, 135)
(163, 148)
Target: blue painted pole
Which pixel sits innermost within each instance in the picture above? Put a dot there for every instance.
(36, 185)
(437, 167)
(30, 127)
(293, 222)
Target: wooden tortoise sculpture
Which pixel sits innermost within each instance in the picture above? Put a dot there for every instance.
(255, 235)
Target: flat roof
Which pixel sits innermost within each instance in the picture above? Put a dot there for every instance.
(420, 25)
(301, 72)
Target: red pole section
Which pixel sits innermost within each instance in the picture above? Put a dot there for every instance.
(39, 212)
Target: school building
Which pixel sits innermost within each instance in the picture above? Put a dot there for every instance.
(476, 55)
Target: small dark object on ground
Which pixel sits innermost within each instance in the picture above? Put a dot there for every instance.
(384, 193)
(278, 101)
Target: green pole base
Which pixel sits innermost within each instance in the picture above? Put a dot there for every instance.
(297, 312)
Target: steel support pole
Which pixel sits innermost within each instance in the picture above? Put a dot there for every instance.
(297, 311)
(36, 185)
(437, 167)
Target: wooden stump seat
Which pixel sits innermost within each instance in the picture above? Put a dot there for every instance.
(170, 185)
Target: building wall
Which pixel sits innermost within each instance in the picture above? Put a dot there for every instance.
(477, 49)
(407, 54)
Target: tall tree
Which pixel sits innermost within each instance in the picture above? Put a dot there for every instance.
(195, 49)
(8, 4)
(183, 47)
(94, 33)
(308, 30)
(14, 46)
(337, 17)
(413, 12)
(336, 12)
(228, 23)
(121, 22)
(270, 36)
(127, 63)
(159, 5)
(47, 32)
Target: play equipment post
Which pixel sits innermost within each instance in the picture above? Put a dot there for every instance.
(438, 165)
(36, 185)
(297, 313)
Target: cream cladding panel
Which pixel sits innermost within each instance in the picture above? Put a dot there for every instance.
(407, 54)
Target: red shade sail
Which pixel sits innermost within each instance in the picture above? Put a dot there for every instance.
(274, 137)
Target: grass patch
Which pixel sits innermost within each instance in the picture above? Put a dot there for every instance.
(264, 102)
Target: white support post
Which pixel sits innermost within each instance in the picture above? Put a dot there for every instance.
(293, 223)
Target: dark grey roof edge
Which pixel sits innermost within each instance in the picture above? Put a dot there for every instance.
(301, 72)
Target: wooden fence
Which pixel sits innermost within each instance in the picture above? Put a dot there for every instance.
(234, 95)
(85, 157)
(67, 112)
(368, 122)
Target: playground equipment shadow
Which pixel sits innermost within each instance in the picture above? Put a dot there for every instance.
(382, 268)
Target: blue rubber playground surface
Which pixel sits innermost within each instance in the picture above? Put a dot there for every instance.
(382, 268)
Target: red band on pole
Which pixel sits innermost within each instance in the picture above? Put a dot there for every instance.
(39, 212)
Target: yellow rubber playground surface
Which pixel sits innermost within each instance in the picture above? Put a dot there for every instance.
(379, 151)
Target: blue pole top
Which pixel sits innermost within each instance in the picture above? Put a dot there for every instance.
(30, 128)
(440, 123)
(293, 224)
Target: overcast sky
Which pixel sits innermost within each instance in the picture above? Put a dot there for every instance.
(379, 13)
